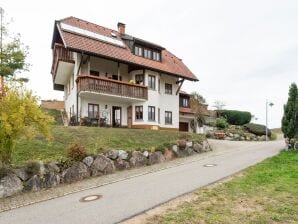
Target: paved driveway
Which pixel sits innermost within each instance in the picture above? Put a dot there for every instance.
(124, 199)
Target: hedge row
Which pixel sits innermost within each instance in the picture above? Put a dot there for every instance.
(236, 117)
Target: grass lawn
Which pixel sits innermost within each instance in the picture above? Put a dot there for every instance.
(265, 193)
(95, 139)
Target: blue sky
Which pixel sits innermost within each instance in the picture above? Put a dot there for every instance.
(243, 52)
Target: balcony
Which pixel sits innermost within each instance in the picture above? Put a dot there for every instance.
(110, 87)
(63, 64)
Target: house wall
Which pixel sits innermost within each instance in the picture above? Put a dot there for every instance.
(105, 108)
(159, 100)
(70, 89)
(156, 98)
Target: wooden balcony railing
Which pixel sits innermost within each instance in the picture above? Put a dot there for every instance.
(60, 54)
(109, 86)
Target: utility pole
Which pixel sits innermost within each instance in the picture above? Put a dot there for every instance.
(270, 104)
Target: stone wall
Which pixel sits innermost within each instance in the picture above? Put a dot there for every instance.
(37, 175)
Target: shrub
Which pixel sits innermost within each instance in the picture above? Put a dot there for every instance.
(257, 129)
(236, 117)
(76, 152)
(32, 168)
(221, 123)
(273, 136)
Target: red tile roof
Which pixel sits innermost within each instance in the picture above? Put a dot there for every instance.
(170, 63)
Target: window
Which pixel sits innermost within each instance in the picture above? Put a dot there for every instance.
(138, 51)
(184, 102)
(168, 117)
(93, 110)
(139, 112)
(158, 115)
(151, 82)
(156, 56)
(72, 109)
(168, 88)
(139, 79)
(147, 53)
(93, 72)
(151, 113)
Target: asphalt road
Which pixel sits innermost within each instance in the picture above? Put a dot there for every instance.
(124, 199)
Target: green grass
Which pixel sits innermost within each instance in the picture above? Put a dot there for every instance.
(265, 193)
(94, 139)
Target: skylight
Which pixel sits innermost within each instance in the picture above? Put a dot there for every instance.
(92, 35)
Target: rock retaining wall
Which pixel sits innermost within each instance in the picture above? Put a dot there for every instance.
(41, 175)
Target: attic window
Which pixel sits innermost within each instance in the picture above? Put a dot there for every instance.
(113, 35)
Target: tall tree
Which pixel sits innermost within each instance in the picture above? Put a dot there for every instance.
(290, 117)
(196, 104)
(12, 54)
(219, 105)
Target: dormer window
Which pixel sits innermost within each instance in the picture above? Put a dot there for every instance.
(138, 51)
(147, 53)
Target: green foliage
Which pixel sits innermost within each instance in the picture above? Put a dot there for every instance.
(32, 168)
(56, 114)
(221, 123)
(290, 117)
(236, 117)
(20, 116)
(12, 58)
(257, 129)
(273, 136)
(76, 151)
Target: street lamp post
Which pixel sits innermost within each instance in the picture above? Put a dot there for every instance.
(270, 104)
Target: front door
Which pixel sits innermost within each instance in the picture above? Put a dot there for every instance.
(116, 116)
(129, 116)
(183, 126)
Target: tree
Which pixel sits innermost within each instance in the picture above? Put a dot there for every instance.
(219, 105)
(290, 116)
(12, 55)
(20, 116)
(196, 104)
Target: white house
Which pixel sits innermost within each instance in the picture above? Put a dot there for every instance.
(115, 79)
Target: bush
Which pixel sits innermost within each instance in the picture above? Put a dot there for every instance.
(273, 136)
(257, 129)
(236, 117)
(32, 168)
(221, 123)
(76, 152)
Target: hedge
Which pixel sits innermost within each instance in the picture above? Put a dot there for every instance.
(257, 129)
(236, 117)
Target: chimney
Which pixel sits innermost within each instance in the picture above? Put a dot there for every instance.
(121, 28)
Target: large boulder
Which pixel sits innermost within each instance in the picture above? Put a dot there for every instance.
(156, 157)
(102, 165)
(33, 184)
(112, 154)
(169, 155)
(53, 167)
(74, 173)
(88, 161)
(197, 147)
(138, 159)
(181, 144)
(10, 185)
(122, 154)
(50, 179)
(175, 149)
(121, 164)
(22, 173)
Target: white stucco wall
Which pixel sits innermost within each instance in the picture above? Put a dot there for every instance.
(156, 98)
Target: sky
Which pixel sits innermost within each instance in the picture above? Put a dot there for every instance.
(243, 52)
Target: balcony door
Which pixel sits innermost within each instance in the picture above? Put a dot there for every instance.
(116, 116)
